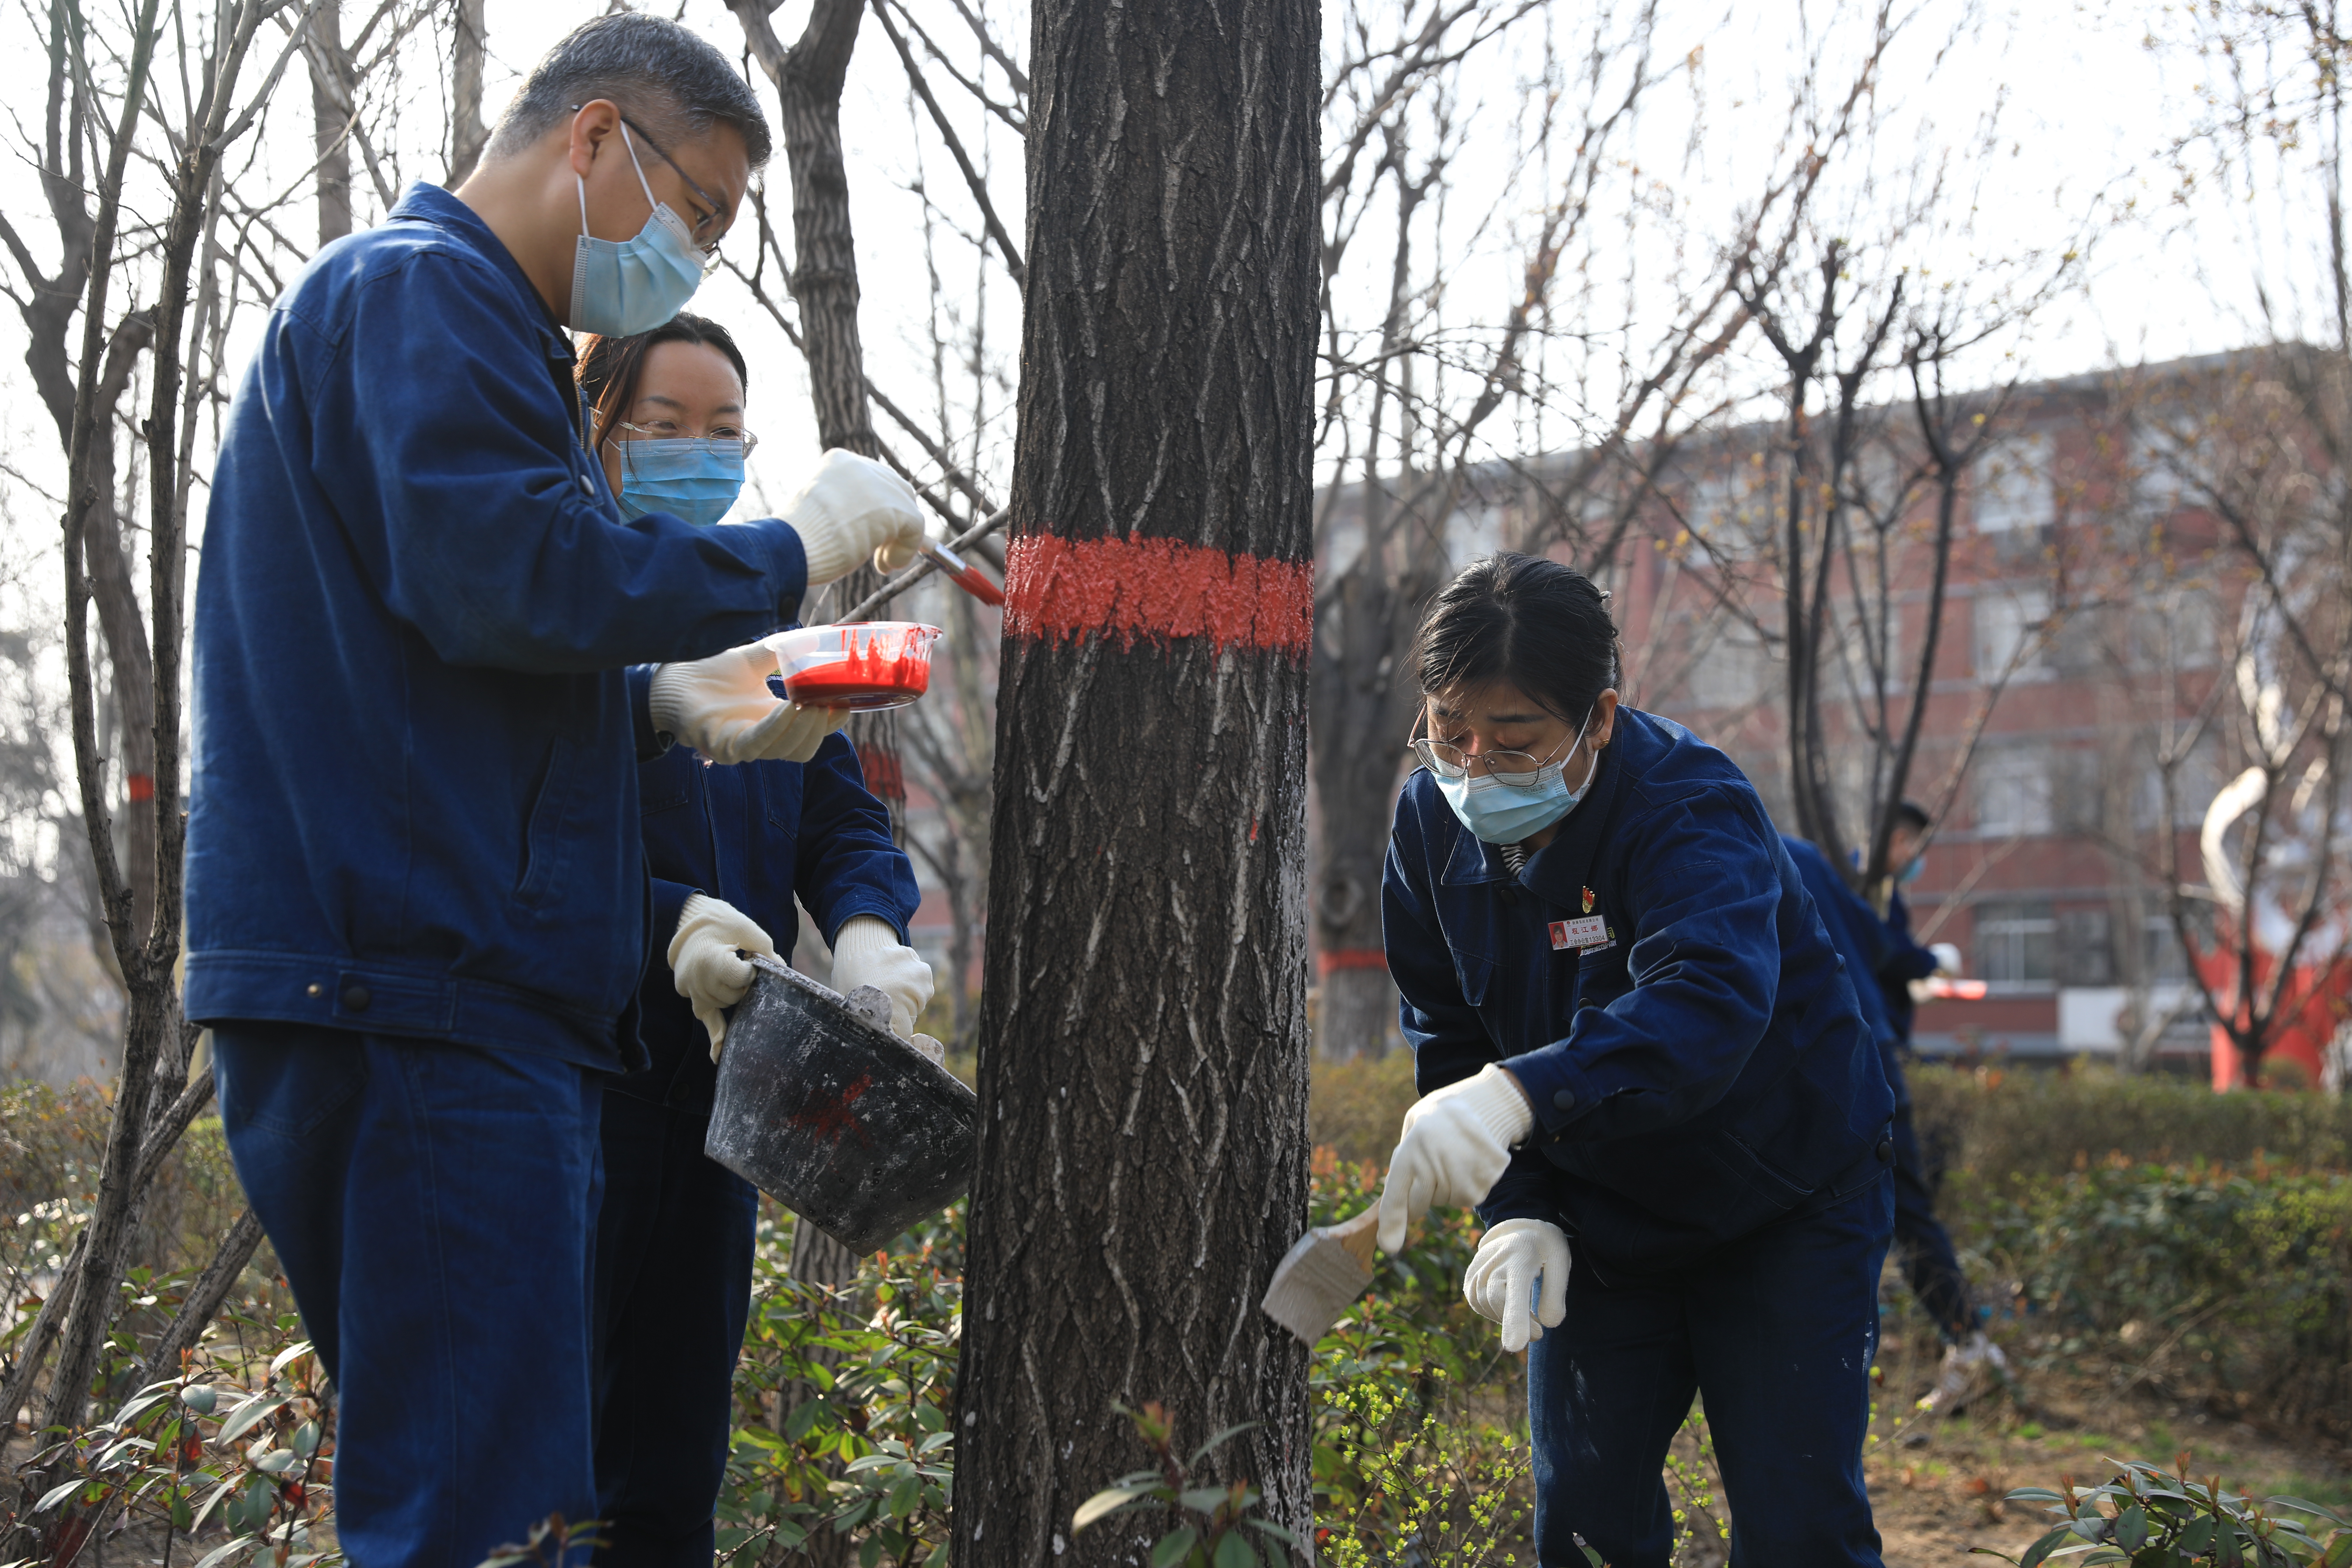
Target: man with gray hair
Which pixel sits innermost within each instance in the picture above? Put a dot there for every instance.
(429, 657)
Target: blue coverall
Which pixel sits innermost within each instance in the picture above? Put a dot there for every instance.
(418, 907)
(1711, 1133)
(1921, 1243)
(674, 1235)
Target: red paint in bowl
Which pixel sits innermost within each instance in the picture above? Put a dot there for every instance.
(865, 666)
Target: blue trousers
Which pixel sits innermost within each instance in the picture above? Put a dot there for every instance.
(674, 1242)
(1922, 1244)
(434, 1209)
(1776, 1333)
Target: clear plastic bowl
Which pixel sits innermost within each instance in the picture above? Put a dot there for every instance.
(867, 666)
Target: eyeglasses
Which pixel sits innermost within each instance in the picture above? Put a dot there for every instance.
(670, 430)
(713, 209)
(1517, 769)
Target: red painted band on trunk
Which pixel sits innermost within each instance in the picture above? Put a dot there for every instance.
(1130, 588)
(140, 786)
(1352, 958)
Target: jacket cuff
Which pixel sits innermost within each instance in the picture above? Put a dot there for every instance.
(1559, 1091)
(1528, 1190)
(651, 742)
(669, 908)
(787, 566)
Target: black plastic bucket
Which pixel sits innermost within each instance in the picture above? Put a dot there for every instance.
(836, 1117)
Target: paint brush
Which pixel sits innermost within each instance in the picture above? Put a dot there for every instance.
(1322, 1274)
(969, 578)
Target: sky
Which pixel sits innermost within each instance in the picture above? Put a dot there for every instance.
(2085, 113)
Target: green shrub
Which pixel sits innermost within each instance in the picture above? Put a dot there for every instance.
(2223, 1287)
(1356, 1108)
(1996, 1120)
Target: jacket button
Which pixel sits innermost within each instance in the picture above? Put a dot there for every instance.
(355, 998)
(1565, 1099)
(1886, 1151)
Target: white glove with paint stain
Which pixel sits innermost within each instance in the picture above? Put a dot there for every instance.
(1502, 1281)
(721, 706)
(868, 951)
(707, 962)
(1947, 957)
(851, 507)
(1456, 1141)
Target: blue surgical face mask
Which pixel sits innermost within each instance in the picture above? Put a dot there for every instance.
(1910, 872)
(1500, 813)
(693, 479)
(623, 287)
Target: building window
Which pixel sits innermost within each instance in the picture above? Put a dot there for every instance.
(2015, 946)
(2012, 488)
(2195, 780)
(2176, 630)
(2167, 964)
(2008, 631)
(2013, 794)
(2086, 953)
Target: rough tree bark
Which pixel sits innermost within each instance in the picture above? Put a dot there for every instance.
(1143, 1066)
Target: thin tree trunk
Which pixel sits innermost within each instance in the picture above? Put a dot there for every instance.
(330, 142)
(467, 135)
(1143, 1067)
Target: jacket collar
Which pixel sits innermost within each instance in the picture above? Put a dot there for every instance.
(429, 204)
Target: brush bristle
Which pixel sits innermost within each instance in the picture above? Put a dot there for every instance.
(1316, 1281)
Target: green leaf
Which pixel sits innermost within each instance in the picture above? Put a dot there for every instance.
(1104, 1504)
(221, 1554)
(1276, 1531)
(57, 1495)
(1201, 1500)
(246, 1415)
(2131, 1528)
(292, 1352)
(1172, 1546)
(200, 1397)
(905, 1496)
(2339, 1552)
(803, 1416)
(1234, 1551)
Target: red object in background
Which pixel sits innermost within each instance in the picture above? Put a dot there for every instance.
(867, 666)
(140, 786)
(2311, 1007)
(1943, 988)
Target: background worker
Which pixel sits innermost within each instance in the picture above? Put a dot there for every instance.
(728, 847)
(1921, 1243)
(1633, 1037)
(416, 895)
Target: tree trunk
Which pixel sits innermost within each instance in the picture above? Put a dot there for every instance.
(467, 135)
(329, 122)
(1143, 1067)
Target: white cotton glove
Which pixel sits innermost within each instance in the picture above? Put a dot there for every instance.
(722, 708)
(1456, 1141)
(852, 507)
(1500, 1283)
(866, 952)
(709, 972)
(1947, 958)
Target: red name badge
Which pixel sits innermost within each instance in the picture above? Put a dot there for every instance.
(1590, 931)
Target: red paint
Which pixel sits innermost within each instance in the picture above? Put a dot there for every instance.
(872, 664)
(1352, 958)
(1130, 588)
(830, 1122)
(141, 786)
(884, 776)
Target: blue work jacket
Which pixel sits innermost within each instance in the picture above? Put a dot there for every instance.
(1860, 938)
(1906, 961)
(414, 802)
(1658, 981)
(754, 836)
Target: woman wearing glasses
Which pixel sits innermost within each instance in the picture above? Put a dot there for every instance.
(728, 848)
(1640, 1060)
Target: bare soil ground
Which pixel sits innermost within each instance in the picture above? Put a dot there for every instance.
(1937, 1485)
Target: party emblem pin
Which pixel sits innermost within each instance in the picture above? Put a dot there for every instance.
(1588, 900)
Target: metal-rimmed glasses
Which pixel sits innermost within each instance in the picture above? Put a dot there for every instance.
(668, 430)
(1516, 769)
(712, 205)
